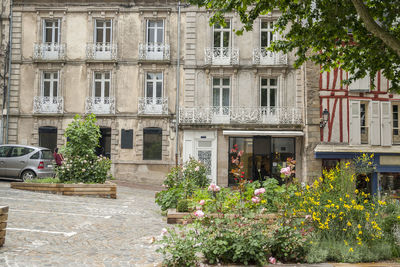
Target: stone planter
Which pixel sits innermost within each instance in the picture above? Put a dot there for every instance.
(3, 224)
(108, 190)
(175, 217)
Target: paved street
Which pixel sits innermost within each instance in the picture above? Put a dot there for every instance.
(54, 230)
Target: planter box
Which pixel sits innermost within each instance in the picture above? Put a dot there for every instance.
(102, 190)
(175, 217)
(3, 224)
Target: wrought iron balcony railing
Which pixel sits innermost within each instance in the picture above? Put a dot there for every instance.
(221, 56)
(100, 105)
(261, 56)
(45, 104)
(154, 51)
(49, 51)
(240, 115)
(153, 106)
(101, 51)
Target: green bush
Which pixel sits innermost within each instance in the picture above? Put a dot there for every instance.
(182, 205)
(81, 164)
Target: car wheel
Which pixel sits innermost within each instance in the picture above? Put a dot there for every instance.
(27, 175)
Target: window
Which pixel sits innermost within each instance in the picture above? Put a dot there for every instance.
(155, 32)
(222, 35)
(221, 88)
(18, 151)
(103, 31)
(49, 84)
(267, 33)
(51, 31)
(395, 114)
(152, 144)
(4, 151)
(154, 86)
(363, 123)
(269, 92)
(102, 83)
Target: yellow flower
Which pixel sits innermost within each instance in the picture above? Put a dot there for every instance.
(360, 232)
(359, 226)
(348, 223)
(356, 191)
(345, 242)
(351, 249)
(398, 217)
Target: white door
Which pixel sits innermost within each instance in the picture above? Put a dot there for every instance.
(386, 129)
(103, 37)
(355, 123)
(202, 146)
(154, 93)
(51, 39)
(375, 124)
(49, 92)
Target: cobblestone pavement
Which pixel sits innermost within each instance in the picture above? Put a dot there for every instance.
(54, 230)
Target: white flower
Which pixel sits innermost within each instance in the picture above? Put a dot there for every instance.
(197, 169)
(164, 231)
(83, 169)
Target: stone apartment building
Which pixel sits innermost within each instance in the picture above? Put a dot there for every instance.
(4, 52)
(118, 60)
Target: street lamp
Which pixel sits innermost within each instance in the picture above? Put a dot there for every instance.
(324, 119)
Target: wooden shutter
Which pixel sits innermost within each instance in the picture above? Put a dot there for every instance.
(386, 119)
(127, 139)
(375, 123)
(188, 145)
(355, 124)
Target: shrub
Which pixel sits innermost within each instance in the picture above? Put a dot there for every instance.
(182, 205)
(81, 164)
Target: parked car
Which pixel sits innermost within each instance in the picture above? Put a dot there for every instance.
(26, 162)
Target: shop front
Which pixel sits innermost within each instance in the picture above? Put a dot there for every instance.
(385, 180)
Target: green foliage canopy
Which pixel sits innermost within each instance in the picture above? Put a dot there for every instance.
(362, 36)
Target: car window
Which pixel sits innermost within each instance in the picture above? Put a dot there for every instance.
(4, 150)
(46, 154)
(36, 155)
(18, 151)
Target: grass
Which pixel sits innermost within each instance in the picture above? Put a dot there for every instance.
(53, 180)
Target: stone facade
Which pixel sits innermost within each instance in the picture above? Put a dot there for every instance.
(119, 61)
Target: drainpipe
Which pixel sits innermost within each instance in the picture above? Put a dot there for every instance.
(178, 77)
(9, 68)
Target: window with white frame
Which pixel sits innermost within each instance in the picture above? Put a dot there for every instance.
(154, 86)
(222, 35)
(51, 31)
(103, 31)
(49, 86)
(155, 32)
(221, 92)
(267, 33)
(269, 92)
(101, 84)
(395, 118)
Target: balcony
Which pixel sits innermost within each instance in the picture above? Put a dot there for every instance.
(49, 51)
(153, 106)
(154, 51)
(240, 115)
(221, 56)
(101, 51)
(45, 104)
(261, 56)
(100, 105)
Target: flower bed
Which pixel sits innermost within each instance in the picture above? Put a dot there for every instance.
(328, 220)
(108, 189)
(3, 224)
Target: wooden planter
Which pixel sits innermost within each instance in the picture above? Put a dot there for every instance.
(3, 224)
(102, 190)
(175, 217)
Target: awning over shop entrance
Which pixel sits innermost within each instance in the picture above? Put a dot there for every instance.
(263, 133)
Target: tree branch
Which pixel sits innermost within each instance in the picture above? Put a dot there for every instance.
(373, 27)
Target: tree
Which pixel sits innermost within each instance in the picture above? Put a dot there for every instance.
(361, 36)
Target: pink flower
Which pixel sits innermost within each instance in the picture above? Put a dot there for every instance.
(259, 191)
(164, 231)
(202, 202)
(286, 171)
(308, 217)
(272, 260)
(214, 188)
(199, 213)
(255, 199)
(197, 168)
(240, 153)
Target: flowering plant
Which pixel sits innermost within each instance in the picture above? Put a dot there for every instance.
(81, 164)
